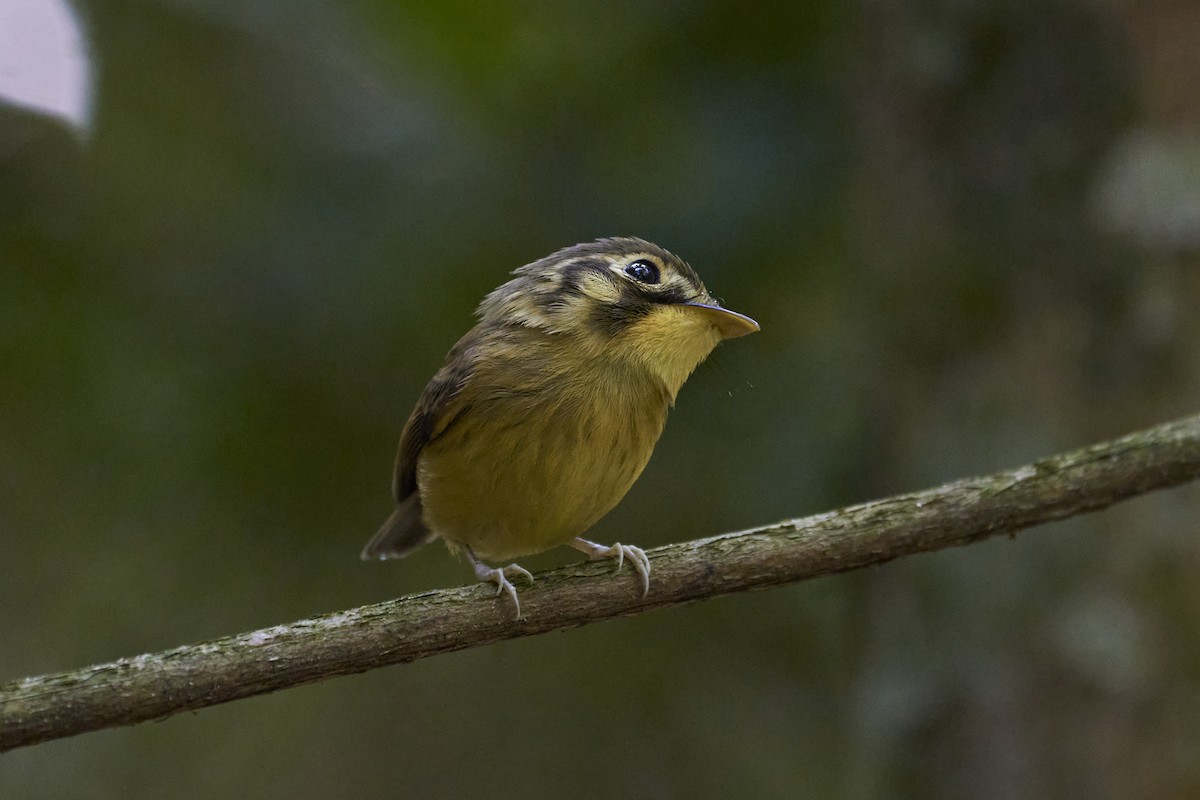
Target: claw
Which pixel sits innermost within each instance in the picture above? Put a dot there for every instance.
(500, 576)
(637, 557)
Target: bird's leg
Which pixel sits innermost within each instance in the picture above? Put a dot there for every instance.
(636, 555)
(500, 577)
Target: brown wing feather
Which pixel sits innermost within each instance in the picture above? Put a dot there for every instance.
(440, 406)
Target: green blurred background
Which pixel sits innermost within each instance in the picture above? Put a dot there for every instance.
(970, 231)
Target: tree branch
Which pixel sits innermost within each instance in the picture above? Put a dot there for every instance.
(157, 685)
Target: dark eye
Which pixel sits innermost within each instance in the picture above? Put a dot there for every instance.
(642, 271)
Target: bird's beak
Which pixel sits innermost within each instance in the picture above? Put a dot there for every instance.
(730, 324)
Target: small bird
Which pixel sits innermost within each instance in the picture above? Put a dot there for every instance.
(545, 412)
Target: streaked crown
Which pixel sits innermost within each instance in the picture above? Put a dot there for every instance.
(602, 286)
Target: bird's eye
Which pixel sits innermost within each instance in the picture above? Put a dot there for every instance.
(642, 271)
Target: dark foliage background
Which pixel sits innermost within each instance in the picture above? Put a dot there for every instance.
(970, 232)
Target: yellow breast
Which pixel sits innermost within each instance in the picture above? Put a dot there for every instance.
(535, 462)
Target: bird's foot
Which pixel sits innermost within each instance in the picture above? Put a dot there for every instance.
(500, 576)
(636, 555)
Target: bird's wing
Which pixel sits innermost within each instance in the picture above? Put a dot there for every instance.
(441, 405)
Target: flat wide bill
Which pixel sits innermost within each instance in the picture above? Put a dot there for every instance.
(730, 324)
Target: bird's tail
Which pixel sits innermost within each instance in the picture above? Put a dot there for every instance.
(404, 531)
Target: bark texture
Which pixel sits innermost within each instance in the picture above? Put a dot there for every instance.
(157, 685)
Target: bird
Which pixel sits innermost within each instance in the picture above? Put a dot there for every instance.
(547, 410)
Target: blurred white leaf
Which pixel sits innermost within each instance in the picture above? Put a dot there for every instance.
(44, 61)
(1151, 190)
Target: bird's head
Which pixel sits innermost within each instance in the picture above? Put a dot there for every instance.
(620, 299)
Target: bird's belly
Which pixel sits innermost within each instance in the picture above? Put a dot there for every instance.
(507, 490)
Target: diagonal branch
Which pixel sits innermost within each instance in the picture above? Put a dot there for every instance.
(158, 685)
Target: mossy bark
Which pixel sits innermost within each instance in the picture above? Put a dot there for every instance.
(157, 685)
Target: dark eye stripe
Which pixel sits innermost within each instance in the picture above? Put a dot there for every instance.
(669, 295)
(612, 318)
